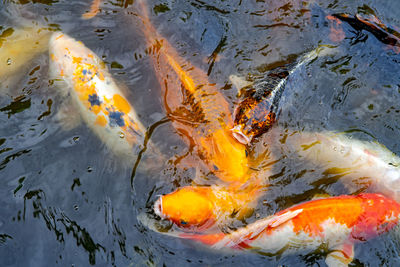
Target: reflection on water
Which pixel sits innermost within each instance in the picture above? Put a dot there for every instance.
(65, 200)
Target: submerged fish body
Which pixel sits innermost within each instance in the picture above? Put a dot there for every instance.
(359, 163)
(372, 24)
(258, 111)
(337, 223)
(100, 102)
(18, 47)
(196, 107)
(199, 208)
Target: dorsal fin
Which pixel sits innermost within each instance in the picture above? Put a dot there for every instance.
(278, 220)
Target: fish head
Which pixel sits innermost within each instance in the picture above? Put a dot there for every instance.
(187, 207)
(253, 117)
(66, 53)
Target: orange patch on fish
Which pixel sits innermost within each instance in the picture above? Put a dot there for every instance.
(95, 109)
(344, 210)
(76, 60)
(227, 155)
(186, 79)
(121, 104)
(101, 120)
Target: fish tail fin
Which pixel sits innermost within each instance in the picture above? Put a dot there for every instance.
(149, 31)
(94, 10)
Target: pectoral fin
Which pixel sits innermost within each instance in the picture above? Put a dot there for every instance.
(248, 233)
(239, 82)
(68, 115)
(278, 220)
(341, 255)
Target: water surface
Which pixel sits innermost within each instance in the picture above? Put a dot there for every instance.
(65, 200)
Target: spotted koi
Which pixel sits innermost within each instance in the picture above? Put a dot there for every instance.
(100, 102)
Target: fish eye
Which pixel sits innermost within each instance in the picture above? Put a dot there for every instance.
(183, 222)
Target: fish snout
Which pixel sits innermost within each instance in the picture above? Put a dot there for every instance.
(239, 136)
(158, 208)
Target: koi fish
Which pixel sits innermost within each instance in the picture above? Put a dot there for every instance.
(372, 24)
(258, 111)
(336, 223)
(359, 163)
(19, 46)
(196, 107)
(199, 208)
(100, 102)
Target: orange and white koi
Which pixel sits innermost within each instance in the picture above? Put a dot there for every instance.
(197, 108)
(99, 100)
(335, 223)
(199, 208)
(359, 163)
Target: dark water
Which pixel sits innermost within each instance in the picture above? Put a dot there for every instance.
(65, 200)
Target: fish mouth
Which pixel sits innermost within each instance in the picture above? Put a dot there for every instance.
(158, 208)
(240, 136)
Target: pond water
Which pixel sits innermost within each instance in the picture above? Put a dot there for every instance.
(65, 200)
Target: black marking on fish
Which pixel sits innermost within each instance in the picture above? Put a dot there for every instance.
(94, 100)
(116, 119)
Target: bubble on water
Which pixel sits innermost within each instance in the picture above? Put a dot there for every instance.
(89, 169)
(76, 207)
(9, 61)
(121, 135)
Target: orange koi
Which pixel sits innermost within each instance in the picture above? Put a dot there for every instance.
(99, 100)
(199, 208)
(196, 107)
(336, 222)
